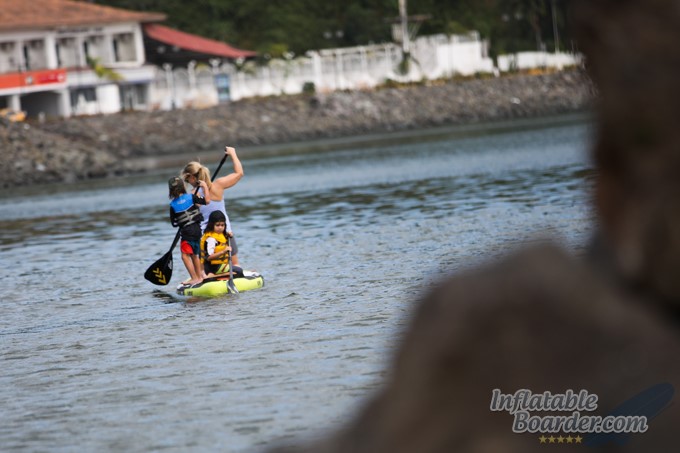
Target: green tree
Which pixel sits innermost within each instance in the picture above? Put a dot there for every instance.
(268, 26)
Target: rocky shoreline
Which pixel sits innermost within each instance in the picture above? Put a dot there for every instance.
(68, 150)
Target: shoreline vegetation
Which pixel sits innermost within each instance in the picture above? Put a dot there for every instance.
(104, 146)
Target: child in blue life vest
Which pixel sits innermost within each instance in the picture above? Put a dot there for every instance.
(184, 213)
(215, 248)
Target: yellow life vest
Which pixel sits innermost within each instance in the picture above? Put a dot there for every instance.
(220, 246)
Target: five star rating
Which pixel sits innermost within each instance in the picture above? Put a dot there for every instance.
(560, 440)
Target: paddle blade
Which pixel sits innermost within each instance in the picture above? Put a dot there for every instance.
(232, 287)
(160, 272)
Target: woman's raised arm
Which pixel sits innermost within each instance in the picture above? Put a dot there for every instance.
(225, 182)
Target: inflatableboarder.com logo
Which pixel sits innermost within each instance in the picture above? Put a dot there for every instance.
(579, 424)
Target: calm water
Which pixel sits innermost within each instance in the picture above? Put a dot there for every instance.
(96, 358)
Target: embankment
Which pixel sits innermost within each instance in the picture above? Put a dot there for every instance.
(99, 146)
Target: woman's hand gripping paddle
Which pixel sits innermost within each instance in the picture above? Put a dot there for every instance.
(160, 272)
(230, 282)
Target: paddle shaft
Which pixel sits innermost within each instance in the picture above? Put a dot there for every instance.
(230, 284)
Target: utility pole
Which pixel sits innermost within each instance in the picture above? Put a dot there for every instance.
(555, 32)
(405, 43)
(401, 32)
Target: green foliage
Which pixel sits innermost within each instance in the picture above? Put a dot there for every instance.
(277, 50)
(102, 71)
(268, 26)
(309, 88)
(405, 64)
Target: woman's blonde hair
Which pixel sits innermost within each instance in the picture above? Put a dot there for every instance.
(198, 170)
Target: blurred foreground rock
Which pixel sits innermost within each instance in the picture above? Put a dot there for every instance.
(543, 320)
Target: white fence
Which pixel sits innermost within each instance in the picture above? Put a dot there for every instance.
(530, 60)
(350, 68)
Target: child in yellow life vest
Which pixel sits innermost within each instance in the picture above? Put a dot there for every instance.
(215, 249)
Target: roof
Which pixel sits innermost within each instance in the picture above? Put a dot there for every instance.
(48, 14)
(189, 43)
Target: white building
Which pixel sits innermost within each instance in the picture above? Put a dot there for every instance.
(48, 47)
(47, 52)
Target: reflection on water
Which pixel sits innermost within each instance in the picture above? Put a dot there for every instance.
(96, 357)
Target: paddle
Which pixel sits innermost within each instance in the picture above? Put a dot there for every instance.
(230, 283)
(160, 272)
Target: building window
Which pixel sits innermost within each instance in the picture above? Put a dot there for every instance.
(7, 62)
(67, 53)
(124, 47)
(94, 47)
(35, 56)
(133, 97)
(84, 101)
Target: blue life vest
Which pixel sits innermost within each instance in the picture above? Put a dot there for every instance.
(184, 214)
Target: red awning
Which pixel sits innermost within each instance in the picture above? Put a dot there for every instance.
(194, 43)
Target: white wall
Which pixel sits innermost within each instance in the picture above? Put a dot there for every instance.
(531, 60)
(108, 97)
(350, 68)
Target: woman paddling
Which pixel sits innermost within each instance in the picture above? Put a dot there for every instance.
(194, 172)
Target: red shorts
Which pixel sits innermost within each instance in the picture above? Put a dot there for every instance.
(190, 247)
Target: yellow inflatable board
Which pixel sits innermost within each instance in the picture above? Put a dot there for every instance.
(214, 288)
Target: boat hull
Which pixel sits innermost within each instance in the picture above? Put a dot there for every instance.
(216, 288)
